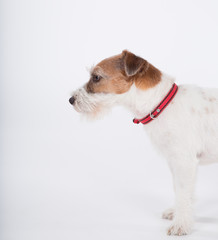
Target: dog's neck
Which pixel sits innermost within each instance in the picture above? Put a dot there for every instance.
(142, 102)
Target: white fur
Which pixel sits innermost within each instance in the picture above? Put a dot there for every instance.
(93, 105)
(186, 134)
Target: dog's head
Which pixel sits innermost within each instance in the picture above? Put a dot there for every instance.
(111, 79)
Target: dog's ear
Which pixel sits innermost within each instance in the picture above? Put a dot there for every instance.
(133, 64)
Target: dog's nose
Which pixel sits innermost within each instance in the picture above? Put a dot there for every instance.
(72, 100)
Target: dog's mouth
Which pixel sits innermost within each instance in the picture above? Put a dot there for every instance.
(80, 106)
(91, 104)
(84, 102)
(77, 109)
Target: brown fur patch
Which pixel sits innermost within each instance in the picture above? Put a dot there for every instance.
(113, 79)
(212, 99)
(149, 79)
(206, 110)
(133, 64)
(207, 98)
(192, 110)
(118, 73)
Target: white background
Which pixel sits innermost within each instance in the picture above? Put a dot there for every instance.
(64, 178)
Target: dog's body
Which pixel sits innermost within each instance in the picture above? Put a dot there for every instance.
(186, 132)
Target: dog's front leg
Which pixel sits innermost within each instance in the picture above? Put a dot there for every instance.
(184, 174)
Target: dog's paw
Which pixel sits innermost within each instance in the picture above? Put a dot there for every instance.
(178, 230)
(168, 214)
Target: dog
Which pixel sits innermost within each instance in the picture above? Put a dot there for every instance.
(181, 121)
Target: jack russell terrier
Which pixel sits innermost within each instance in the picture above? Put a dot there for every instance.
(180, 120)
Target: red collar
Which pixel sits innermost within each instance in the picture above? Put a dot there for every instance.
(159, 109)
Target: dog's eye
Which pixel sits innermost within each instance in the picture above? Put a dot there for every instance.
(96, 78)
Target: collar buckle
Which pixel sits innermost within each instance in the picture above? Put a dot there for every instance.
(153, 115)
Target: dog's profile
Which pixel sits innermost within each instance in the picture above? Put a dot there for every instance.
(181, 121)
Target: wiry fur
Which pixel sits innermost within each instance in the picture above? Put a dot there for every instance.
(93, 105)
(186, 134)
